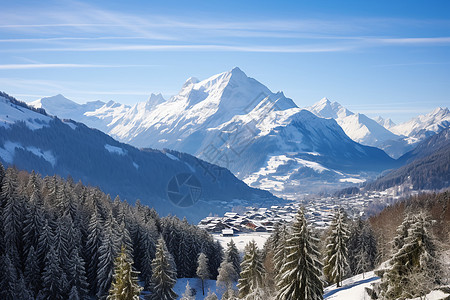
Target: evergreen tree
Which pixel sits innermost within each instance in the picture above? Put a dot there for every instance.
(188, 294)
(108, 251)
(280, 251)
(336, 260)
(362, 247)
(227, 275)
(251, 277)
(53, 279)
(125, 285)
(94, 240)
(211, 296)
(164, 274)
(76, 273)
(232, 256)
(32, 272)
(300, 276)
(414, 269)
(203, 269)
(8, 278)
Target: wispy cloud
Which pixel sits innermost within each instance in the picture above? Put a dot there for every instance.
(216, 48)
(57, 66)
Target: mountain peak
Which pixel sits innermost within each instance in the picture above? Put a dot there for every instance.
(190, 81)
(154, 100)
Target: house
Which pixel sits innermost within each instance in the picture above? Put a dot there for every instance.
(227, 232)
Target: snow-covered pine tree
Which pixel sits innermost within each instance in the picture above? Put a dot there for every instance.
(125, 284)
(12, 217)
(366, 253)
(144, 253)
(54, 280)
(108, 251)
(280, 251)
(251, 276)
(336, 260)
(164, 274)
(362, 247)
(227, 275)
(32, 272)
(301, 275)
(76, 274)
(32, 224)
(232, 256)
(415, 268)
(94, 240)
(211, 296)
(8, 278)
(203, 269)
(188, 294)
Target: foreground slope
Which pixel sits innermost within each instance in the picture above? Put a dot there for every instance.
(30, 140)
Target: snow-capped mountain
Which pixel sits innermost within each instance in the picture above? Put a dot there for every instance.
(423, 126)
(358, 127)
(386, 123)
(95, 114)
(235, 121)
(31, 140)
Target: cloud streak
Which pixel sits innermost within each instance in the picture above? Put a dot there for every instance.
(58, 66)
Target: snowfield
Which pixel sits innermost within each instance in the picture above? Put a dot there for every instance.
(242, 239)
(353, 288)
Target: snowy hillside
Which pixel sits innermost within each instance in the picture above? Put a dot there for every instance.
(169, 181)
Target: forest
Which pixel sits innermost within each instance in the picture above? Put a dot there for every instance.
(63, 240)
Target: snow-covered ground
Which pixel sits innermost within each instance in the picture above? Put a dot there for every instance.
(196, 284)
(352, 288)
(242, 239)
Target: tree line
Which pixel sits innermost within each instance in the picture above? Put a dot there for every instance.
(61, 240)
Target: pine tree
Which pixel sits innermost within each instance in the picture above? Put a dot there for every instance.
(211, 296)
(251, 277)
(8, 278)
(362, 248)
(94, 240)
(164, 274)
(108, 251)
(125, 285)
(227, 275)
(188, 294)
(414, 269)
(300, 276)
(76, 274)
(53, 278)
(280, 251)
(203, 269)
(336, 260)
(32, 272)
(232, 256)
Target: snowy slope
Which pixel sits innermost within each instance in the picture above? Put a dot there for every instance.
(358, 127)
(353, 288)
(11, 113)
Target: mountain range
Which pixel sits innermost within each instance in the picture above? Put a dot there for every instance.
(170, 181)
(263, 137)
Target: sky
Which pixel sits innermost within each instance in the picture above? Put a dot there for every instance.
(388, 58)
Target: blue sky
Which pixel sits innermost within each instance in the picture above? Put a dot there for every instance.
(388, 58)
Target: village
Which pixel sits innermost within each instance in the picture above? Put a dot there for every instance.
(318, 210)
